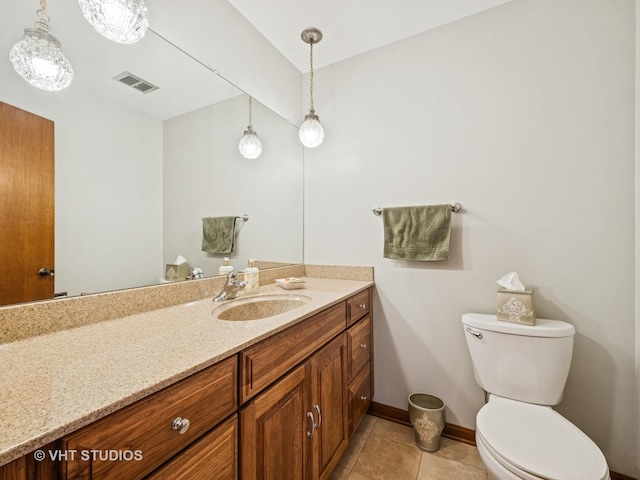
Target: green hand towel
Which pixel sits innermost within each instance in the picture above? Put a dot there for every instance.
(218, 234)
(417, 233)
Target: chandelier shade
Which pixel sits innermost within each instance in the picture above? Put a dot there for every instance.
(311, 132)
(123, 21)
(250, 145)
(38, 56)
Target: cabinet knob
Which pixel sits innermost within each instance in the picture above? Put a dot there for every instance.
(363, 345)
(363, 306)
(181, 425)
(363, 398)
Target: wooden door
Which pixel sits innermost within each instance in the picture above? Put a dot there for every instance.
(329, 404)
(26, 205)
(273, 431)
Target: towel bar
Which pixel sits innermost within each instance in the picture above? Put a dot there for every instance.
(456, 207)
(244, 217)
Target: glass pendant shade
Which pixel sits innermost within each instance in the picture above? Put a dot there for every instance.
(311, 132)
(250, 146)
(123, 21)
(38, 58)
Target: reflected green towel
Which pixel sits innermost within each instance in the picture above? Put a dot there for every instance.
(218, 234)
(417, 233)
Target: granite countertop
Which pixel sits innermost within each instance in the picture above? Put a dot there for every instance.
(54, 384)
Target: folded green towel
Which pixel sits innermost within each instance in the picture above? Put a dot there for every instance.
(218, 234)
(417, 233)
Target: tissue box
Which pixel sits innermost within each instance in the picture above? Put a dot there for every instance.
(174, 272)
(516, 306)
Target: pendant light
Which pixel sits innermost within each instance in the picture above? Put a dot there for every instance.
(123, 21)
(250, 146)
(38, 57)
(311, 131)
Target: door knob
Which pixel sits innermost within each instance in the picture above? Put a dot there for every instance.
(45, 272)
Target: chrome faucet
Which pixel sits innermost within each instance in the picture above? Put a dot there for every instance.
(232, 288)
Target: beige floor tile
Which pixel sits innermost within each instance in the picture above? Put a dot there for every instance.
(437, 467)
(394, 431)
(460, 452)
(367, 423)
(384, 459)
(355, 446)
(340, 473)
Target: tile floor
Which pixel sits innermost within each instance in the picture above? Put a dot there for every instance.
(383, 450)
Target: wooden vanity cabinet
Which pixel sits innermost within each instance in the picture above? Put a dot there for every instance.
(360, 388)
(153, 430)
(298, 428)
(282, 409)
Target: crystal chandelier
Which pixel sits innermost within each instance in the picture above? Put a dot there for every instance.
(311, 131)
(123, 21)
(250, 146)
(38, 57)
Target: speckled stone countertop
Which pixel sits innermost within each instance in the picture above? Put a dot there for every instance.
(56, 383)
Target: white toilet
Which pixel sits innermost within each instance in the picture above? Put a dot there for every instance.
(523, 369)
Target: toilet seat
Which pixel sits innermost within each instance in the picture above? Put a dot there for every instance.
(534, 441)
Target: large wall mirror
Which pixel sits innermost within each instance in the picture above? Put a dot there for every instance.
(135, 172)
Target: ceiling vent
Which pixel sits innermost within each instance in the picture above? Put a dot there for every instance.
(135, 82)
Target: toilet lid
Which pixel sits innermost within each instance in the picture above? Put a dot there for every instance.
(540, 441)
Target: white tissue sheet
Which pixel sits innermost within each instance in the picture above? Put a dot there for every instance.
(510, 282)
(180, 260)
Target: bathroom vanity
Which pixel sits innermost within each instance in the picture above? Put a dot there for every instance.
(227, 392)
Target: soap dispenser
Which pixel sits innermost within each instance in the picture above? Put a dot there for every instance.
(251, 277)
(225, 268)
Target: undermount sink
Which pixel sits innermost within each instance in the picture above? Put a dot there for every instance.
(262, 306)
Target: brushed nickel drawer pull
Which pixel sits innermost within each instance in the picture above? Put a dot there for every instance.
(363, 398)
(314, 427)
(319, 415)
(363, 345)
(363, 306)
(181, 425)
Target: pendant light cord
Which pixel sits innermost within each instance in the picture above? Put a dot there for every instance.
(311, 77)
(250, 99)
(43, 18)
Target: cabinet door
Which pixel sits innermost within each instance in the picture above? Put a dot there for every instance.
(328, 370)
(274, 431)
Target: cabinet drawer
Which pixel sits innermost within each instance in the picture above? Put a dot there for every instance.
(215, 455)
(359, 346)
(146, 427)
(268, 360)
(357, 307)
(359, 398)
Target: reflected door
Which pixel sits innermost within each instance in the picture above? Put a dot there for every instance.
(26, 206)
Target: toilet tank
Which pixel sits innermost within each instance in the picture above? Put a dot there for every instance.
(529, 363)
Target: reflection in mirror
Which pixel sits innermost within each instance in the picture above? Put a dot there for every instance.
(135, 173)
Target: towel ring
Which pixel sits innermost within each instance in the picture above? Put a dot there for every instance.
(456, 207)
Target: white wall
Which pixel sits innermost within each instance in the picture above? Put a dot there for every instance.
(215, 33)
(108, 188)
(524, 114)
(205, 176)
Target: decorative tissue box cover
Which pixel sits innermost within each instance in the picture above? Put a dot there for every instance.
(176, 272)
(516, 306)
